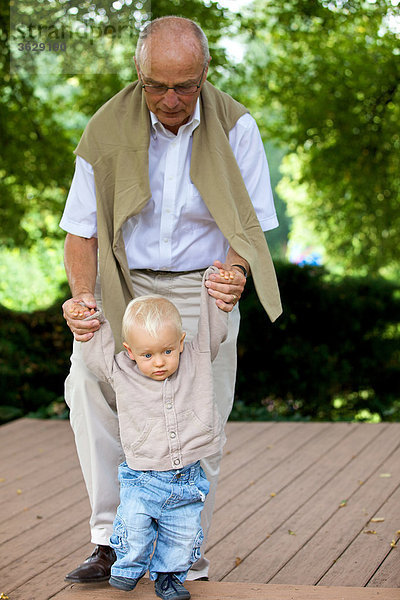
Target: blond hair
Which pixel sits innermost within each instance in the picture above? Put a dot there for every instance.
(152, 312)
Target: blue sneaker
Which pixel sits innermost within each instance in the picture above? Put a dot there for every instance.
(123, 583)
(168, 587)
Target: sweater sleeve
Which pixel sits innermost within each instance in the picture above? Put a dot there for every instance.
(98, 352)
(213, 322)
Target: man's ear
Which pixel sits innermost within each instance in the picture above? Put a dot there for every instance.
(129, 351)
(206, 71)
(137, 67)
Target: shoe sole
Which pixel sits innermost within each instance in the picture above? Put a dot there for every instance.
(120, 585)
(93, 580)
(174, 597)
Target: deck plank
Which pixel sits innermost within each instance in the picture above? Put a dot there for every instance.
(44, 472)
(24, 545)
(366, 553)
(14, 431)
(233, 591)
(13, 504)
(263, 537)
(343, 527)
(313, 514)
(28, 442)
(37, 459)
(389, 572)
(240, 432)
(39, 561)
(255, 445)
(271, 449)
(47, 581)
(249, 489)
(46, 432)
(307, 467)
(23, 522)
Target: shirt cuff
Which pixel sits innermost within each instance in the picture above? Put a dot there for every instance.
(270, 223)
(77, 228)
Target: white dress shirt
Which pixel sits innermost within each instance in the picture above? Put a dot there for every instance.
(175, 230)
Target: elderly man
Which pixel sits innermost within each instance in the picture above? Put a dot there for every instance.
(171, 176)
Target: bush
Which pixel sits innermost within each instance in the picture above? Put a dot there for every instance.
(34, 361)
(333, 354)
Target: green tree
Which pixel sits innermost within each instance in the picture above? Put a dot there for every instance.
(325, 77)
(34, 152)
(46, 98)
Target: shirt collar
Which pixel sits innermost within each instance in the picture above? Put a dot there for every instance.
(189, 127)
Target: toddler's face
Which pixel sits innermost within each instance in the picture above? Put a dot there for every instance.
(157, 358)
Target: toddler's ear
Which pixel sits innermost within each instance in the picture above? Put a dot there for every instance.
(181, 341)
(129, 351)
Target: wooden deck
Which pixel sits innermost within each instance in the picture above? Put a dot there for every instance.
(292, 519)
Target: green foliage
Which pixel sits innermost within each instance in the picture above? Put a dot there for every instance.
(325, 78)
(321, 78)
(277, 238)
(30, 278)
(46, 98)
(35, 150)
(34, 358)
(333, 353)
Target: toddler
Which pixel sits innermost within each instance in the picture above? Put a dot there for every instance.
(168, 421)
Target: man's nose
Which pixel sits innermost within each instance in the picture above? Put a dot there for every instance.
(171, 98)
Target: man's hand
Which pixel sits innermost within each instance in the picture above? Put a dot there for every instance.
(74, 313)
(227, 286)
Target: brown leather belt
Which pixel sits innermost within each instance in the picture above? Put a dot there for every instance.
(169, 273)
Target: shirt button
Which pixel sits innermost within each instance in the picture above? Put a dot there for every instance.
(177, 461)
(169, 405)
(166, 240)
(172, 434)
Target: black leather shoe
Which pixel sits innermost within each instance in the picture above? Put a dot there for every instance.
(96, 568)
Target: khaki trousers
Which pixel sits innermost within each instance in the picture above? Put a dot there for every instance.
(94, 418)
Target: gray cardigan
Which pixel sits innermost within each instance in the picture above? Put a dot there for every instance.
(166, 424)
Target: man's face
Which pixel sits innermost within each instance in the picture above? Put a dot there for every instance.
(171, 63)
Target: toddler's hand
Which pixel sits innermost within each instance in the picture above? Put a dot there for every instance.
(227, 275)
(226, 286)
(76, 311)
(80, 311)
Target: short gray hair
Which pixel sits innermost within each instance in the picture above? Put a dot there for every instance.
(153, 26)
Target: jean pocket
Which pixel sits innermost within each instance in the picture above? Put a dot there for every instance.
(202, 483)
(128, 476)
(201, 487)
(119, 537)
(198, 540)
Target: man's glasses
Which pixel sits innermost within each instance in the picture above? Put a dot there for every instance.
(181, 90)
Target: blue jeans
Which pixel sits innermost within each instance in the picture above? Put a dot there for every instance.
(162, 507)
